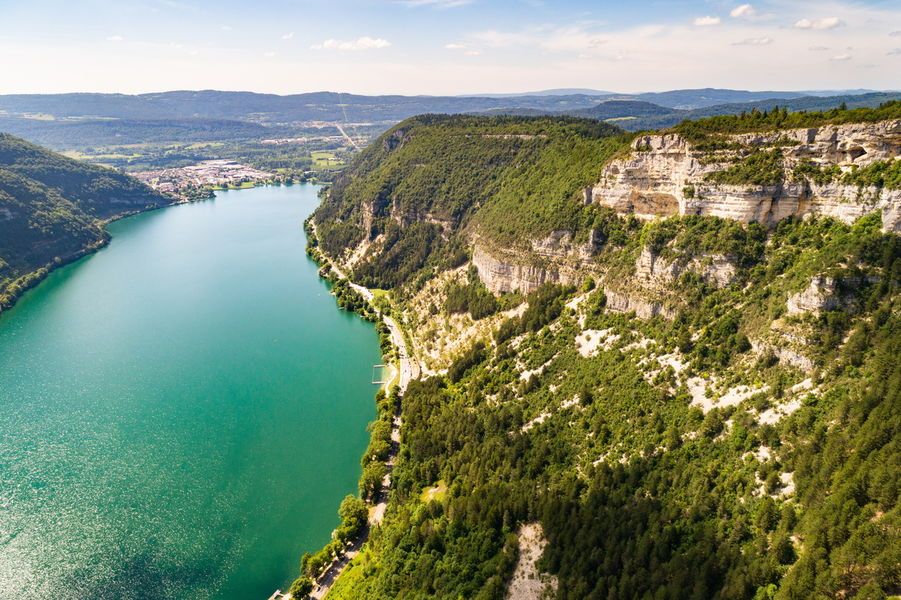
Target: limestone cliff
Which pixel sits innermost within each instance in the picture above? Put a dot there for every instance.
(653, 269)
(555, 259)
(666, 174)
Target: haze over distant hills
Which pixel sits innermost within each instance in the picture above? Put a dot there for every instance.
(78, 120)
(688, 98)
(272, 108)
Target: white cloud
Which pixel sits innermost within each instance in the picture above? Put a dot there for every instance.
(707, 21)
(115, 38)
(841, 57)
(824, 23)
(743, 11)
(895, 33)
(288, 36)
(818, 48)
(363, 43)
(561, 39)
(894, 52)
(755, 41)
(226, 28)
(467, 50)
(566, 50)
(268, 54)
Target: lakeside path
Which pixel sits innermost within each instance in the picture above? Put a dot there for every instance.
(408, 370)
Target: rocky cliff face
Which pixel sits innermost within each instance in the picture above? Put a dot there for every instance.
(820, 295)
(666, 175)
(622, 302)
(827, 293)
(655, 270)
(557, 260)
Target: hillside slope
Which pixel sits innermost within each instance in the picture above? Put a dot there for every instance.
(413, 193)
(52, 209)
(634, 113)
(700, 406)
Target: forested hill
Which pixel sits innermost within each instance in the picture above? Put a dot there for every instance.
(52, 208)
(702, 406)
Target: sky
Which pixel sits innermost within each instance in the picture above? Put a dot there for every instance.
(446, 46)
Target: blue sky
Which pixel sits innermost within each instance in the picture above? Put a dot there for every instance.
(446, 46)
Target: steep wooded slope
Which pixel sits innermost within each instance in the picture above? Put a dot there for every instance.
(706, 408)
(52, 208)
(410, 196)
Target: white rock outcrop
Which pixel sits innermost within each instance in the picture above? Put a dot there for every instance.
(818, 296)
(644, 309)
(501, 275)
(665, 175)
(556, 258)
(714, 269)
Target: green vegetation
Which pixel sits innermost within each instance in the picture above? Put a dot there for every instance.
(353, 513)
(818, 174)
(473, 297)
(759, 167)
(880, 174)
(300, 587)
(380, 443)
(326, 160)
(52, 209)
(677, 508)
(462, 172)
(704, 130)
(695, 236)
(787, 492)
(405, 251)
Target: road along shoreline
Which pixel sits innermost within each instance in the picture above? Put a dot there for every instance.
(406, 370)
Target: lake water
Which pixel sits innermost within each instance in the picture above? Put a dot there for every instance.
(181, 412)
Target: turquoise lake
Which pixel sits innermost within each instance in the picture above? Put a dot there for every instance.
(181, 412)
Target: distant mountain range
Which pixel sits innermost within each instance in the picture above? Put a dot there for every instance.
(66, 121)
(687, 99)
(52, 210)
(635, 115)
(332, 106)
(269, 108)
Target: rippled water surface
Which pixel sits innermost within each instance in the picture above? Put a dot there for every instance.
(181, 412)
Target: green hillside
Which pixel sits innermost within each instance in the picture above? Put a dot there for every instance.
(429, 179)
(737, 447)
(52, 209)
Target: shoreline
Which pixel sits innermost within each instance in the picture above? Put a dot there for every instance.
(407, 369)
(33, 278)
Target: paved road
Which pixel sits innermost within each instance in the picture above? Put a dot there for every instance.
(347, 137)
(409, 369)
(408, 365)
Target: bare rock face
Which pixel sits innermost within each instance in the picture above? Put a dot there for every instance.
(665, 175)
(507, 275)
(395, 140)
(652, 269)
(555, 259)
(715, 269)
(784, 352)
(643, 309)
(820, 295)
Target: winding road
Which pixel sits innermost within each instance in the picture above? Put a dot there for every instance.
(408, 370)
